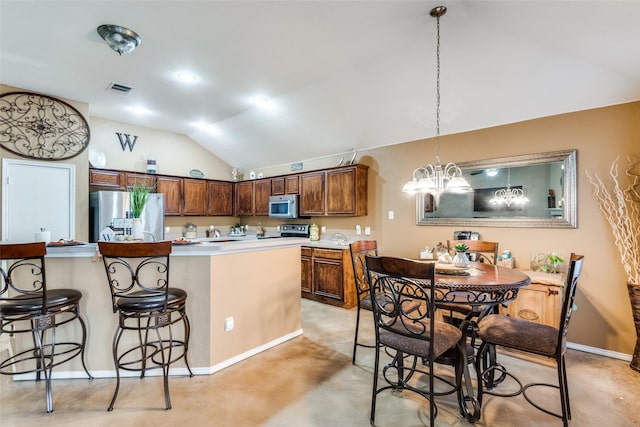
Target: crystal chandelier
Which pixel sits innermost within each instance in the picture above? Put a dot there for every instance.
(509, 196)
(436, 179)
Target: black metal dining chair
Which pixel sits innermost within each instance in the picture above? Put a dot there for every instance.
(139, 283)
(396, 284)
(529, 337)
(29, 306)
(359, 249)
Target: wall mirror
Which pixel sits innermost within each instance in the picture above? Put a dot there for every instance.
(548, 180)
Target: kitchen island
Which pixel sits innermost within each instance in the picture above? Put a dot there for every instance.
(255, 282)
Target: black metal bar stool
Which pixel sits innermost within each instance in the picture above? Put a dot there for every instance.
(138, 279)
(28, 307)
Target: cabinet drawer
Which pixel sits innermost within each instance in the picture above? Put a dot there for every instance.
(328, 253)
(305, 251)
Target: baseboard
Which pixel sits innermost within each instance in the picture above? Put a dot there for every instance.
(182, 371)
(600, 351)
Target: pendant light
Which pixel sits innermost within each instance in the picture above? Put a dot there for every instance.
(437, 179)
(509, 196)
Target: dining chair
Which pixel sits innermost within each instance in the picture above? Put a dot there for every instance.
(139, 284)
(359, 249)
(483, 250)
(28, 306)
(413, 334)
(534, 338)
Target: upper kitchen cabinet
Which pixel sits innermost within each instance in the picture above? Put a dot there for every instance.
(340, 191)
(194, 197)
(261, 193)
(220, 198)
(252, 197)
(282, 185)
(132, 179)
(244, 198)
(100, 179)
(171, 187)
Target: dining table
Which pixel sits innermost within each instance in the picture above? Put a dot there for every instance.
(481, 287)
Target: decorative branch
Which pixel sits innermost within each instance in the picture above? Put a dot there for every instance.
(621, 207)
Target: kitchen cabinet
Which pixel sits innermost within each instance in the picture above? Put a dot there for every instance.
(277, 186)
(194, 197)
(244, 198)
(171, 187)
(281, 185)
(101, 179)
(220, 198)
(261, 194)
(312, 193)
(327, 276)
(338, 191)
(132, 179)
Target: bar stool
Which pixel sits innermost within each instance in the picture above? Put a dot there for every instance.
(27, 306)
(138, 279)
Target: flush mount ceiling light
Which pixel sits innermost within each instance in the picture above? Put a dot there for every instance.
(436, 179)
(187, 77)
(120, 39)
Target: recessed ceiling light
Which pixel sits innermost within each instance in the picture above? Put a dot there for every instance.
(184, 76)
(139, 109)
(261, 101)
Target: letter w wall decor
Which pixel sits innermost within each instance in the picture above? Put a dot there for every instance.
(126, 141)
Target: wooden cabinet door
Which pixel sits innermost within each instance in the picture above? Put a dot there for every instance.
(261, 193)
(244, 198)
(171, 187)
(220, 198)
(292, 184)
(306, 278)
(537, 303)
(312, 194)
(194, 197)
(100, 179)
(277, 186)
(346, 191)
(132, 179)
(328, 273)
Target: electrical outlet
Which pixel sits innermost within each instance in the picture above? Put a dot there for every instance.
(228, 324)
(367, 231)
(390, 214)
(358, 229)
(323, 229)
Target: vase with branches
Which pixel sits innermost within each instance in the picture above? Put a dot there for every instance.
(619, 200)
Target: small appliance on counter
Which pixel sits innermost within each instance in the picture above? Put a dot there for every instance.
(294, 230)
(466, 235)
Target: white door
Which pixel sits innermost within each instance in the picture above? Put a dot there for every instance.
(37, 195)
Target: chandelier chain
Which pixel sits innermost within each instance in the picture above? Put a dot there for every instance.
(438, 90)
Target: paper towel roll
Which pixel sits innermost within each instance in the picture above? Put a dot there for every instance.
(43, 236)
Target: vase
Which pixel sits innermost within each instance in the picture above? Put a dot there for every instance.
(461, 260)
(136, 229)
(634, 297)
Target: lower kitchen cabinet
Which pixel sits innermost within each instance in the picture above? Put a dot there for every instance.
(327, 276)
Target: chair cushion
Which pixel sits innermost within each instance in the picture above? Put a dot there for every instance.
(520, 334)
(446, 336)
(145, 301)
(56, 299)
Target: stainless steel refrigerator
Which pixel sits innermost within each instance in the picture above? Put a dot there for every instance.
(113, 209)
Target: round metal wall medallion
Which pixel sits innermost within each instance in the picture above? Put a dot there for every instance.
(40, 127)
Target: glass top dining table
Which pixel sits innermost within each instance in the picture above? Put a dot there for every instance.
(482, 287)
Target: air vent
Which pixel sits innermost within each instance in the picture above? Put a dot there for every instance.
(119, 88)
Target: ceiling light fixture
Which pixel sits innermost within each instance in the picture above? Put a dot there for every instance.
(187, 77)
(509, 196)
(120, 39)
(436, 179)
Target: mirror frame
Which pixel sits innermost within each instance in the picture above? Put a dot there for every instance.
(569, 218)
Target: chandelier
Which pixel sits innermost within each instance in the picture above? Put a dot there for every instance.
(509, 196)
(436, 179)
(120, 39)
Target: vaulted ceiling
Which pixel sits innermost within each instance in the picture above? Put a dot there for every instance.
(339, 75)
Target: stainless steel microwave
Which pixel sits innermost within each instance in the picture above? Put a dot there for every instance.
(283, 206)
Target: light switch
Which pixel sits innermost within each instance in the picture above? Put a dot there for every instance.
(390, 214)
(358, 229)
(367, 231)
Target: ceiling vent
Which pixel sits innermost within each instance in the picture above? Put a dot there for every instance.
(119, 88)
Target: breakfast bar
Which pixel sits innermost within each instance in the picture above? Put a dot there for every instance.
(243, 298)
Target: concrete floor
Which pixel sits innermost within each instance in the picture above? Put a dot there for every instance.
(310, 382)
